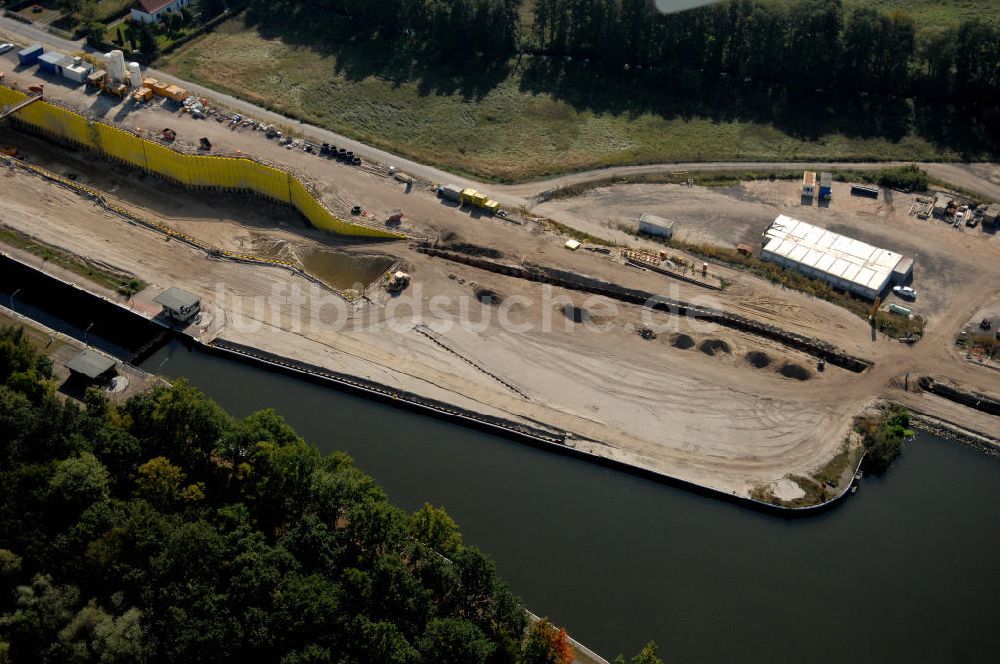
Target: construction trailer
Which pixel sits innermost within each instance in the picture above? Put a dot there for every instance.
(478, 199)
(825, 185)
(29, 56)
(844, 263)
(651, 224)
(941, 204)
(809, 184)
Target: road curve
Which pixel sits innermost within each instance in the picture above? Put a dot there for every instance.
(982, 178)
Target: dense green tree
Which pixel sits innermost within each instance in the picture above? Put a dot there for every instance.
(165, 530)
(646, 656)
(436, 529)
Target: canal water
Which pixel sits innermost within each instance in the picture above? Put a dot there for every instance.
(903, 571)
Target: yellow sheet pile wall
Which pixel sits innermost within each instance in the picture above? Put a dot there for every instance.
(191, 170)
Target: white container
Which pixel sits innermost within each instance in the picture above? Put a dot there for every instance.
(135, 75)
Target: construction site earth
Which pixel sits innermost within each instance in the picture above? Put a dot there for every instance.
(720, 405)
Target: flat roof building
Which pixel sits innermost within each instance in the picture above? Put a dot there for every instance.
(92, 365)
(179, 304)
(844, 263)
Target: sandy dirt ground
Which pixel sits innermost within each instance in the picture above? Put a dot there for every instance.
(694, 408)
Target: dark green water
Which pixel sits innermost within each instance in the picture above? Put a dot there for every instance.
(905, 571)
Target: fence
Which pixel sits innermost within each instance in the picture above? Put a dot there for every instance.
(241, 173)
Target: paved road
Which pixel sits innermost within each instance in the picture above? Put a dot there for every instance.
(982, 178)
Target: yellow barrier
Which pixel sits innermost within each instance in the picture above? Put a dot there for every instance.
(243, 174)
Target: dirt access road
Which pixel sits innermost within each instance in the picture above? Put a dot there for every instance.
(980, 178)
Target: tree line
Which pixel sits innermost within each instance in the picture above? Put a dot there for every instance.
(805, 44)
(165, 530)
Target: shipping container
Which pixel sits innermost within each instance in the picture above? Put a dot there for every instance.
(450, 192)
(30, 55)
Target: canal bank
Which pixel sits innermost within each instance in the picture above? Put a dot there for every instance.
(904, 573)
(132, 336)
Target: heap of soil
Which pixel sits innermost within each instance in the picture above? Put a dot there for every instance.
(681, 341)
(488, 297)
(576, 314)
(758, 359)
(796, 371)
(713, 346)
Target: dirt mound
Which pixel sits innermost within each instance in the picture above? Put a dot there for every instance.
(681, 341)
(576, 314)
(488, 297)
(758, 359)
(796, 371)
(713, 346)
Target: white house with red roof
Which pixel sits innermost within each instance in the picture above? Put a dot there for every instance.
(151, 11)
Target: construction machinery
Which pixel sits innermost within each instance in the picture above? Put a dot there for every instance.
(397, 281)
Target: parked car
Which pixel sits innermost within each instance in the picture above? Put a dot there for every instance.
(6, 47)
(905, 291)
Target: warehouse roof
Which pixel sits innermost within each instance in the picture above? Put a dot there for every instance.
(91, 364)
(831, 253)
(177, 299)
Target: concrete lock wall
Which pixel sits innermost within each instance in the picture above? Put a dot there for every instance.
(241, 174)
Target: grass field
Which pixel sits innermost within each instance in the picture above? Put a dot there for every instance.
(124, 284)
(501, 128)
(929, 14)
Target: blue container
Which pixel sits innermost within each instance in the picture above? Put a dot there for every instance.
(30, 55)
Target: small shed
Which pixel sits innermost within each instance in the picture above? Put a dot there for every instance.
(651, 224)
(29, 56)
(54, 63)
(178, 304)
(92, 366)
(809, 184)
(992, 214)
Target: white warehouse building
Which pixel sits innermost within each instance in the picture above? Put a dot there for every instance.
(847, 264)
